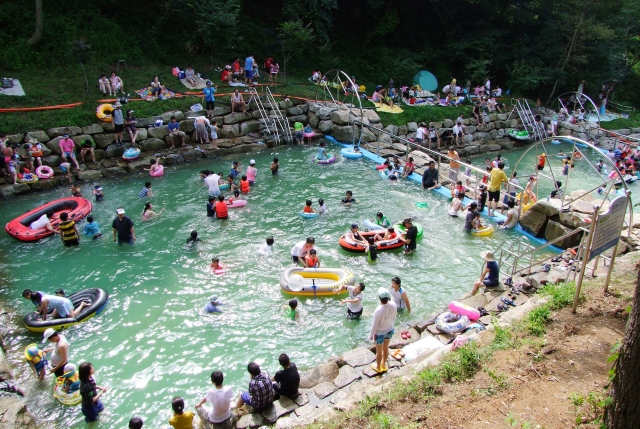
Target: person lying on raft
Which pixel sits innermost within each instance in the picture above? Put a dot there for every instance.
(389, 235)
(355, 238)
(382, 220)
(62, 307)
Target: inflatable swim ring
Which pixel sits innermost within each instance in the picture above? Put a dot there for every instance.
(380, 167)
(310, 135)
(349, 246)
(131, 153)
(159, 172)
(372, 225)
(329, 160)
(44, 172)
(308, 215)
(236, 204)
(65, 398)
(98, 298)
(400, 227)
(451, 323)
(485, 230)
(518, 135)
(104, 111)
(326, 281)
(464, 310)
(348, 153)
(224, 185)
(27, 178)
(77, 208)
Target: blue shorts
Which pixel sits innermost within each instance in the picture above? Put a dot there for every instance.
(246, 398)
(380, 339)
(91, 413)
(489, 283)
(129, 242)
(71, 154)
(248, 74)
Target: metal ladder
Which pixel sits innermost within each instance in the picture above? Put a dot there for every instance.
(515, 256)
(267, 125)
(521, 106)
(280, 122)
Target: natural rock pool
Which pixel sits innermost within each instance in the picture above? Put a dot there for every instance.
(153, 340)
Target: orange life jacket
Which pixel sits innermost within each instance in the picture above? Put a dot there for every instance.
(221, 209)
(35, 151)
(311, 260)
(244, 186)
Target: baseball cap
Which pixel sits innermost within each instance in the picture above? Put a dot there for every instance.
(354, 225)
(48, 333)
(65, 135)
(120, 211)
(384, 293)
(252, 162)
(214, 298)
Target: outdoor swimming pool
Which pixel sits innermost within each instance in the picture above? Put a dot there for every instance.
(153, 341)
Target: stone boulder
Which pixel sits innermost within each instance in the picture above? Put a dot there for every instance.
(237, 117)
(391, 129)
(481, 136)
(581, 194)
(325, 126)
(300, 118)
(548, 208)
(54, 145)
(174, 159)
(41, 136)
(42, 185)
(314, 121)
(152, 145)
(555, 230)
(343, 134)
(575, 220)
(295, 111)
(324, 389)
(324, 113)
(582, 206)
(92, 129)
(357, 357)
(114, 171)
(402, 130)
(114, 151)
(448, 123)
(143, 134)
(229, 131)
(157, 133)
(340, 117)
(89, 175)
(103, 140)
(51, 160)
(14, 414)
(285, 104)
(60, 131)
(15, 138)
(187, 125)
(412, 127)
(251, 126)
(346, 376)
(221, 111)
(533, 222)
(372, 116)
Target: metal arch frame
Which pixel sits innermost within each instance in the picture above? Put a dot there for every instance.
(606, 180)
(578, 95)
(342, 104)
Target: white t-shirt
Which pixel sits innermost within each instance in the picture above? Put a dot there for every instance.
(40, 223)
(498, 92)
(56, 357)
(514, 218)
(323, 209)
(511, 187)
(354, 306)
(265, 250)
(488, 84)
(397, 298)
(383, 318)
(456, 206)
(212, 183)
(299, 249)
(457, 129)
(420, 133)
(220, 399)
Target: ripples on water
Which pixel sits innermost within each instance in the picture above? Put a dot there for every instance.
(153, 342)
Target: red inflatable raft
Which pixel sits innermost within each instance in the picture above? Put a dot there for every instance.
(358, 248)
(77, 208)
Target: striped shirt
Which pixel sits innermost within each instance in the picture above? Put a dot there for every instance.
(68, 230)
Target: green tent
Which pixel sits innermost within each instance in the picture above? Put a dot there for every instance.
(426, 80)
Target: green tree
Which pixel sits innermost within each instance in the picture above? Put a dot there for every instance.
(317, 12)
(294, 39)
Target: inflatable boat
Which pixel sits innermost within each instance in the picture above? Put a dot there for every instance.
(349, 246)
(301, 281)
(77, 208)
(400, 227)
(518, 135)
(98, 298)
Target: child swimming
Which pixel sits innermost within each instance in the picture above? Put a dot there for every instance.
(291, 310)
(323, 207)
(308, 209)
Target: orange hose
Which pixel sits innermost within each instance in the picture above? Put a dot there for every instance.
(31, 109)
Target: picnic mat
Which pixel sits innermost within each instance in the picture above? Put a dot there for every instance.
(145, 94)
(236, 84)
(386, 109)
(16, 90)
(200, 83)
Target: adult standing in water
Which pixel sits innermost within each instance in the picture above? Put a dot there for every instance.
(410, 237)
(384, 318)
(399, 295)
(60, 351)
(430, 178)
(252, 171)
(275, 165)
(123, 227)
(301, 249)
(497, 179)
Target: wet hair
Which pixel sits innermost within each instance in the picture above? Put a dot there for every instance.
(275, 159)
(89, 219)
(178, 405)
(217, 378)
(244, 177)
(384, 300)
(253, 368)
(501, 165)
(84, 371)
(461, 195)
(349, 193)
(236, 192)
(270, 241)
(559, 184)
(477, 214)
(60, 292)
(147, 184)
(27, 292)
(220, 198)
(361, 286)
(194, 234)
(205, 172)
(284, 360)
(152, 162)
(312, 252)
(473, 205)
(511, 204)
(211, 199)
(293, 303)
(321, 201)
(216, 260)
(50, 214)
(64, 216)
(135, 423)
(311, 240)
(147, 206)
(396, 280)
(308, 203)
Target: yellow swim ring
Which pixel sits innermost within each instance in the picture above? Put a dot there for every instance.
(362, 88)
(65, 398)
(486, 230)
(103, 112)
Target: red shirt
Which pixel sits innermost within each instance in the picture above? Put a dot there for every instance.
(236, 66)
(225, 73)
(267, 62)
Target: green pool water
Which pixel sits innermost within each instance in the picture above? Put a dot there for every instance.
(153, 342)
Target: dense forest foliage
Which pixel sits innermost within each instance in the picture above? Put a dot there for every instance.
(533, 47)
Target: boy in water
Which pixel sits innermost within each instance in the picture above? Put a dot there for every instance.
(267, 248)
(311, 260)
(92, 228)
(348, 200)
(307, 208)
(291, 310)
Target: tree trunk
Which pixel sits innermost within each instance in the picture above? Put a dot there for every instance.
(38, 33)
(624, 412)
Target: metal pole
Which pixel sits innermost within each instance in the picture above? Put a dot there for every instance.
(613, 259)
(586, 257)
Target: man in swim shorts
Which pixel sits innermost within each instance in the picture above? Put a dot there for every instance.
(301, 249)
(354, 303)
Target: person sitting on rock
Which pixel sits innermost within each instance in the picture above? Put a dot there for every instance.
(174, 131)
(88, 146)
(261, 393)
(287, 380)
(237, 101)
(491, 271)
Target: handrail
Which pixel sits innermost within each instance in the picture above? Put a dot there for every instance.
(263, 114)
